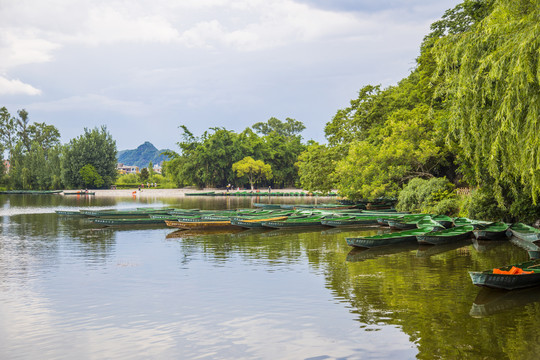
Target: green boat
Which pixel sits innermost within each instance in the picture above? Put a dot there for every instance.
(495, 231)
(387, 239)
(444, 220)
(138, 221)
(295, 223)
(69, 213)
(461, 221)
(445, 236)
(124, 213)
(344, 221)
(407, 223)
(207, 193)
(509, 279)
(256, 223)
(30, 192)
(525, 232)
(79, 193)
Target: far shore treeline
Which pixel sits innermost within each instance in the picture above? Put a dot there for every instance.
(459, 135)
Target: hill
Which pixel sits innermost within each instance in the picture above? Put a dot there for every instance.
(142, 156)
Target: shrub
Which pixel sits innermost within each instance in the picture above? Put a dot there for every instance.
(436, 195)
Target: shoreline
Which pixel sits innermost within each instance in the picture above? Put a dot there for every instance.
(151, 192)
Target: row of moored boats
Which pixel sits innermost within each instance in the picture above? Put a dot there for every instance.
(419, 228)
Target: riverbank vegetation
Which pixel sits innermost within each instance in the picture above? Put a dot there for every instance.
(467, 114)
(37, 160)
(466, 117)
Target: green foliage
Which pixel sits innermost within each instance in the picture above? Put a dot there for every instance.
(316, 167)
(144, 175)
(434, 196)
(408, 145)
(95, 147)
(482, 205)
(90, 177)
(253, 169)
(128, 179)
(206, 161)
(491, 74)
(289, 128)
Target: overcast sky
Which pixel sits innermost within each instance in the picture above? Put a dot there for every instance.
(144, 67)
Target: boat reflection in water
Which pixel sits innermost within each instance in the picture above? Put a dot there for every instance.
(532, 249)
(493, 301)
(425, 251)
(361, 254)
(486, 245)
(193, 233)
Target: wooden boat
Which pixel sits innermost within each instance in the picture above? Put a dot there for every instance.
(344, 221)
(136, 221)
(69, 213)
(525, 232)
(201, 225)
(406, 223)
(124, 213)
(80, 193)
(495, 231)
(267, 206)
(461, 221)
(444, 220)
(510, 277)
(30, 192)
(207, 193)
(453, 234)
(387, 239)
(295, 223)
(256, 223)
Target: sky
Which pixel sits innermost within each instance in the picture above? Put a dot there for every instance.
(142, 68)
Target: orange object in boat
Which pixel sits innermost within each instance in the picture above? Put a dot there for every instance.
(513, 271)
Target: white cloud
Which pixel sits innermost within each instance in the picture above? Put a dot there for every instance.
(15, 87)
(91, 102)
(21, 47)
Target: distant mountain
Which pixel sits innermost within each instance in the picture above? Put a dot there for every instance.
(142, 156)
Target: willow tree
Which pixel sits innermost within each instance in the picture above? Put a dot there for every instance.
(492, 74)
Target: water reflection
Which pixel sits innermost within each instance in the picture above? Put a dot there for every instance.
(69, 287)
(493, 301)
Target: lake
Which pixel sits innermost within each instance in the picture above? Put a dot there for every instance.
(71, 289)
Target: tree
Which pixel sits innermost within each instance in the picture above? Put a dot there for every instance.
(289, 127)
(144, 175)
(253, 169)
(90, 177)
(8, 132)
(316, 167)
(491, 72)
(47, 136)
(95, 147)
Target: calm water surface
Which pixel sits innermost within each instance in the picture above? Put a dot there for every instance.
(71, 289)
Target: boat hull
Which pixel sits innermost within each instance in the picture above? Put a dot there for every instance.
(370, 243)
(504, 281)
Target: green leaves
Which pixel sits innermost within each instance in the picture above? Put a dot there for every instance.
(90, 177)
(491, 74)
(95, 147)
(253, 169)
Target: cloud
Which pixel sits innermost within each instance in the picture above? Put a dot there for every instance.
(21, 47)
(92, 102)
(16, 87)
